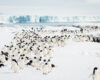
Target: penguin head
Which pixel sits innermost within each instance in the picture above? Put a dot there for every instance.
(6, 58)
(44, 60)
(95, 69)
(18, 52)
(27, 58)
(48, 60)
(12, 55)
(1, 65)
(40, 50)
(31, 61)
(52, 65)
(35, 58)
(24, 49)
(40, 59)
(46, 63)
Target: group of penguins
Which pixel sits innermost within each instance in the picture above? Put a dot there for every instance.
(78, 30)
(83, 34)
(28, 48)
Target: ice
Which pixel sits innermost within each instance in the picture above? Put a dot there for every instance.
(48, 19)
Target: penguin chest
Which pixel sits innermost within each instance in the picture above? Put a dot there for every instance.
(96, 76)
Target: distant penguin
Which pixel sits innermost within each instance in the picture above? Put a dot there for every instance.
(47, 68)
(21, 63)
(3, 58)
(39, 64)
(15, 67)
(34, 62)
(96, 74)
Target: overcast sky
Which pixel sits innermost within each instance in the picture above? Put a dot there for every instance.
(50, 7)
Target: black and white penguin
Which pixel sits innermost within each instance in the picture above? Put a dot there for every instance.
(96, 74)
(15, 66)
(21, 61)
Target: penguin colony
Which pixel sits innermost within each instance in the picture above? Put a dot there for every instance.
(34, 47)
(30, 49)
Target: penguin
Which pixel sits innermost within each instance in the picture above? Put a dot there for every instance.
(96, 74)
(50, 53)
(15, 66)
(21, 62)
(34, 62)
(47, 67)
(39, 64)
(3, 58)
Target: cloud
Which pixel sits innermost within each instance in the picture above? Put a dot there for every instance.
(50, 7)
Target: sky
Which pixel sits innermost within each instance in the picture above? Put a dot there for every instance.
(50, 7)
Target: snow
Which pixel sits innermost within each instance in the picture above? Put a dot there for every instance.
(75, 61)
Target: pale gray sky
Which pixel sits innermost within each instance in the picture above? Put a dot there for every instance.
(50, 7)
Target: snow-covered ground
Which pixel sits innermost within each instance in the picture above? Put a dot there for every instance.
(75, 61)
